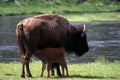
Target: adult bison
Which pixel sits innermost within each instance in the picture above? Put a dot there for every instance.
(48, 30)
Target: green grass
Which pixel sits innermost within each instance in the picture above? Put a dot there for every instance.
(59, 6)
(89, 17)
(90, 10)
(82, 71)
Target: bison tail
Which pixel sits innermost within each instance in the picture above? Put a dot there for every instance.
(21, 34)
(24, 40)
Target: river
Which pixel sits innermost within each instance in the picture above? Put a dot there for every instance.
(103, 40)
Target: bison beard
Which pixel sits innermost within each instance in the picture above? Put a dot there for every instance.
(49, 30)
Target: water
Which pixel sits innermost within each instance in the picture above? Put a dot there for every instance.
(103, 40)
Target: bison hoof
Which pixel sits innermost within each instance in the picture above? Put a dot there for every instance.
(52, 74)
(59, 75)
(29, 75)
(22, 76)
(41, 75)
(48, 76)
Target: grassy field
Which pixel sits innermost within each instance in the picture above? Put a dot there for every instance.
(58, 6)
(90, 10)
(89, 17)
(82, 71)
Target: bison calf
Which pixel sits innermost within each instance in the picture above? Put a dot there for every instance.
(52, 55)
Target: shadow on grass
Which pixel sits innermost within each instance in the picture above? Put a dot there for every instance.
(88, 77)
(74, 76)
(10, 74)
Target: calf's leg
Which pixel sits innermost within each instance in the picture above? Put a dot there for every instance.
(52, 69)
(66, 69)
(48, 69)
(57, 67)
(43, 69)
(64, 66)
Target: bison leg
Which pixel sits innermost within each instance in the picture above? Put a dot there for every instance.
(28, 70)
(23, 71)
(66, 69)
(64, 66)
(23, 66)
(48, 69)
(43, 69)
(58, 70)
(25, 62)
(22, 51)
(62, 70)
(52, 69)
(56, 66)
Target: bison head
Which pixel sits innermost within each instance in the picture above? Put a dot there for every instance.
(77, 40)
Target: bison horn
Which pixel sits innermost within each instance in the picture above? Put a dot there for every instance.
(84, 29)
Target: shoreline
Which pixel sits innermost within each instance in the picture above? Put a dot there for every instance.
(85, 17)
(87, 11)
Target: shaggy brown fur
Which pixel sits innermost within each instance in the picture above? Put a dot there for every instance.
(52, 55)
(48, 30)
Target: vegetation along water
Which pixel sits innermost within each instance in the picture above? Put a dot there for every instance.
(88, 10)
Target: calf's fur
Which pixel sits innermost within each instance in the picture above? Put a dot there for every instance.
(52, 55)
